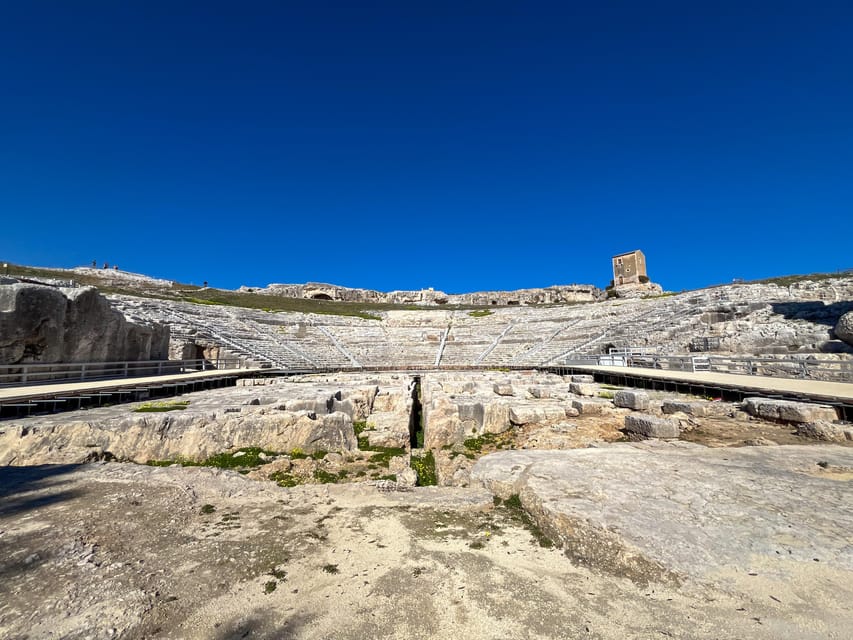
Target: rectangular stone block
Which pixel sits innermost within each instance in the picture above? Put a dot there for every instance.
(698, 409)
(533, 414)
(583, 378)
(583, 388)
(651, 426)
(788, 410)
(587, 407)
(636, 400)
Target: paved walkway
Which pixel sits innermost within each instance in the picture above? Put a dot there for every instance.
(9, 395)
(761, 385)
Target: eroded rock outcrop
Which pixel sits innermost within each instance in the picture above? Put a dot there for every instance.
(788, 410)
(306, 413)
(188, 435)
(546, 295)
(703, 510)
(42, 324)
(490, 403)
(844, 328)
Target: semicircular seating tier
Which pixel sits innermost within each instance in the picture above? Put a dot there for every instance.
(735, 319)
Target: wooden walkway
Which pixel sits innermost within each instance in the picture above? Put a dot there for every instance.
(817, 390)
(12, 395)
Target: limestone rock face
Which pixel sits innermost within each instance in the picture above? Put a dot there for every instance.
(844, 328)
(47, 324)
(165, 436)
(653, 511)
(452, 469)
(491, 403)
(698, 409)
(443, 424)
(407, 477)
(310, 413)
(387, 429)
(823, 430)
(789, 411)
(547, 295)
(637, 290)
(32, 324)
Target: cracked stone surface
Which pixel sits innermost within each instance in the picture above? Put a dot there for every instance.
(118, 550)
(680, 511)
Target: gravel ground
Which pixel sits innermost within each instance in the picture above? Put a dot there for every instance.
(118, 550)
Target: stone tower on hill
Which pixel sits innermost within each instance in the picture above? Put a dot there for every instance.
(629, 268)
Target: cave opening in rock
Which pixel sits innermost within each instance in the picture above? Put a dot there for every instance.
(416, 420)
(321, 296)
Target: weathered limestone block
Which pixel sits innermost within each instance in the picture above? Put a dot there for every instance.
(587, 379)
(636, 400)
(651, 510)
(698, 409)
(345, 406)
(389, 401)
(362, 401)
(471, 416)
(407, 477)
(387, 429)
(539, 392)
(458, 387)
(583, 389)
(536, 413)
(398, 463)
(789, 411)
(823, 430)
(844, 328)
(443, 426)
(504, 474)
(191, 435)
(503, 390)
(386, 438)
(651, 426)
(314, 405)
(590, 407)
(496, 418)
(452, 469)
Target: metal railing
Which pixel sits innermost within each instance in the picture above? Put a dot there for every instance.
(783, 367)
(32, 373)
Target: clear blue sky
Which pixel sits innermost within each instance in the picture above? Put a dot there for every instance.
(393, 145)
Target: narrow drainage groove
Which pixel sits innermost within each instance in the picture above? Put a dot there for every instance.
(416, 422)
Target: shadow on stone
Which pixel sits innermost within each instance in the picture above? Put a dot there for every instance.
(22, 488)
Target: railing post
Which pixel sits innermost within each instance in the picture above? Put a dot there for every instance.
(126, 374)
(83, 371)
